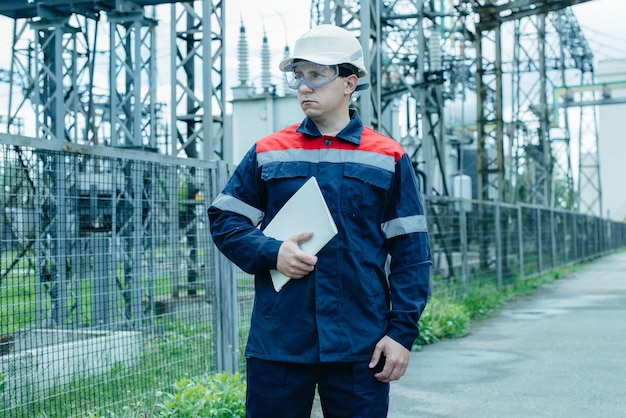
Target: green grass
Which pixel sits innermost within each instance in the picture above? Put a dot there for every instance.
(18, 292)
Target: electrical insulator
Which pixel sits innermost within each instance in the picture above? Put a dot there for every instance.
(266, 74)
(434, 49)
(242, 54)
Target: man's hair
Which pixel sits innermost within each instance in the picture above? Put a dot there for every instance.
(347, 69)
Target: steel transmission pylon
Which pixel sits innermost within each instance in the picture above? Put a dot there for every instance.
(62, 61)
(197, 78)
(56, 70)
(19, 75)
(589, 190)
(132, 77)
(548, 51)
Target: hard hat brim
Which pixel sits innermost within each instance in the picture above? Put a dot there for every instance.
(285, 64)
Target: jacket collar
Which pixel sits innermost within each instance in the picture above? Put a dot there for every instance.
(351, 133)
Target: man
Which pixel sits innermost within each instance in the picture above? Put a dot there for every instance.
(341, 324)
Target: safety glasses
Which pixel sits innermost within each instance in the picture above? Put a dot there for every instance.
(311, 74)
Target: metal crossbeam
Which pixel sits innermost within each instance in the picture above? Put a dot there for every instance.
(492, 14)
(27, 9)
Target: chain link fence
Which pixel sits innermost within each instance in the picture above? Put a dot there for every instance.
(111, 288)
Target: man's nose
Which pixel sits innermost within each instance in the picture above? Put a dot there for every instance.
(304, 87)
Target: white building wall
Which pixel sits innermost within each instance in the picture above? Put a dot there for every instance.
(612, 142)
(257, 116)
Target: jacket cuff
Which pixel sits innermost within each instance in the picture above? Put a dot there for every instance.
(268, 254)
(403, 335)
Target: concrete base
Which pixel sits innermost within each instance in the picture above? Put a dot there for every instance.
(43, 359)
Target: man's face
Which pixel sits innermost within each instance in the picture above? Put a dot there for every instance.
(321, 91)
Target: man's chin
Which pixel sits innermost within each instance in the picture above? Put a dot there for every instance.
(308, 111)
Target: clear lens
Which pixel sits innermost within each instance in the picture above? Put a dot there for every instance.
(313, 75)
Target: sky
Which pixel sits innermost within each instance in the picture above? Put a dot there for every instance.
(602, 22)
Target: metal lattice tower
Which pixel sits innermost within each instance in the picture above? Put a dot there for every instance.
(55, 68)
(18, 75)
(413, 51)
(512, 55)
(132, 78)
(548, 51)
(197, 76)
(589, 190)
(61, 59)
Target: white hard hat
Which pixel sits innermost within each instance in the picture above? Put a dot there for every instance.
(328, 45)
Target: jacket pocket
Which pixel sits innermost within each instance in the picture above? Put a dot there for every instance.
(284, 170)
(364, 191)
(281, 181)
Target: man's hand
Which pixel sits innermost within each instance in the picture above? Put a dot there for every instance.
(396, 359)
(292, 261)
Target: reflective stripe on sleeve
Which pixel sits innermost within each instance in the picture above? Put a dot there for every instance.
(405, 225)
(232, 204)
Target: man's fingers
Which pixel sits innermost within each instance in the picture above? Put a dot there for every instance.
(302, 237)
(301, 257)
(392, 371)
(292, 261)
(376, 357)
(396, 359)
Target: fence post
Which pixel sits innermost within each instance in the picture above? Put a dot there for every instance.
(175, 244)
(226, 310)
(552, 239)
(520, 241)
(564, 237)
(498, 232)
(226, 331)
(601, 237)
(539, 241)
(574, 236)
(464, 251)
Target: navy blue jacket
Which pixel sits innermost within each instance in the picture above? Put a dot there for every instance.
(340, 311)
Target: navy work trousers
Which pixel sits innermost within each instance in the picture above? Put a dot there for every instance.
(287, 390)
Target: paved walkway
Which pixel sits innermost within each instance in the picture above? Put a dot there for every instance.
(558, 353)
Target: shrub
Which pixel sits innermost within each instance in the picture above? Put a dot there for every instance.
(481, 301)
(442, 318)
(213, 396)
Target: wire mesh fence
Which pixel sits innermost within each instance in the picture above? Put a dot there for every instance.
(477, 243)
(108, 282)
(111, 288)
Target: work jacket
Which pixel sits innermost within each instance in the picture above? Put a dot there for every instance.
(354, 296)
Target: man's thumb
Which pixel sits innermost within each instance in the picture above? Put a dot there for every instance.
(302, 237)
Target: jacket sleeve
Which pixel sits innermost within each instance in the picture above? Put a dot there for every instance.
(407, 243)
(234, 216)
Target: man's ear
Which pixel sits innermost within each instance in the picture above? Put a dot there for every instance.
(350, 82)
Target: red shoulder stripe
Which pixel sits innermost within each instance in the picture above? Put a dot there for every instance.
(288, 138)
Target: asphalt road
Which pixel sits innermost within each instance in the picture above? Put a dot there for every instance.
(558, 353)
